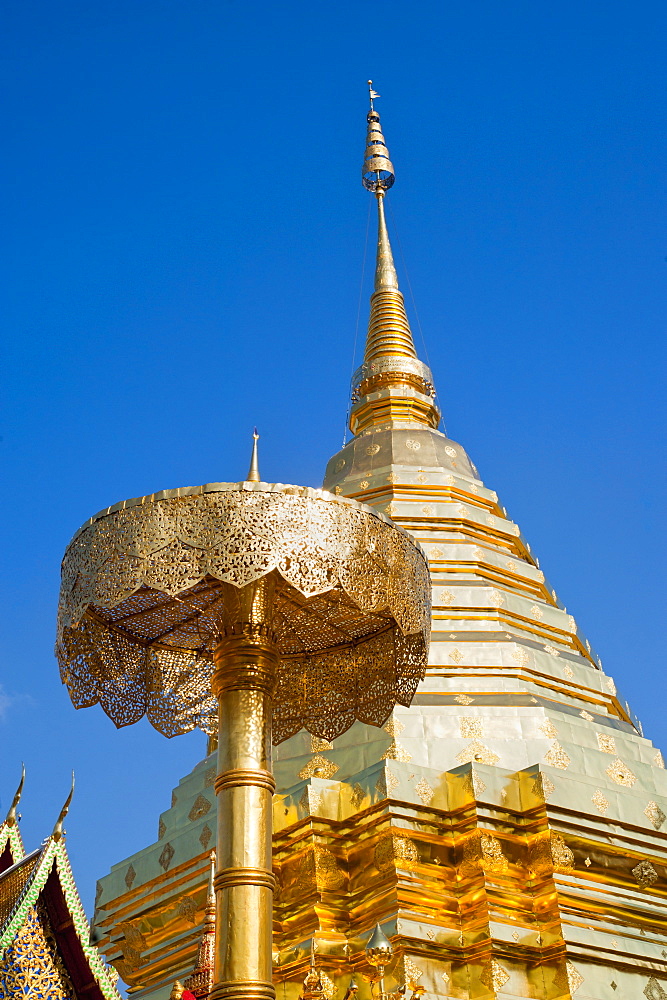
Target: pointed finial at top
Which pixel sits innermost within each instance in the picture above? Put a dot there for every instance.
(58, 828)
(372, 94)
(377, 173)
(11, 815)
(253, 471)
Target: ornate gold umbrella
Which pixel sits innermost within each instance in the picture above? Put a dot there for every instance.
(257, 609)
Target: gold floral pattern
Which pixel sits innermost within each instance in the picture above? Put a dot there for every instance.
(471, 727)
(397, 752)
(32, 967)
(561, 854)
(574, 977)
(318, 767)
(395, 849)
(600, 802)
(142, 606)
(394, 727)
(606, 743)
(557, 756)
(494, 975)
(619, 772)
(493, 859)
(477, 752)
(424, 791)
(654, 814)
(200, 807)
(645, 874)
(654, 991)
(317, 745)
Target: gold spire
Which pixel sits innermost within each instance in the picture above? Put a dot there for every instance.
(11, 815)
(253, 471)
(390, 359)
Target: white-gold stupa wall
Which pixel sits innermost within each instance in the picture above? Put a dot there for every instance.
(508, 829)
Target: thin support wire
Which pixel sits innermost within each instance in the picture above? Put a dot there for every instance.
(412, 297)
(356, 328)
(407, 278)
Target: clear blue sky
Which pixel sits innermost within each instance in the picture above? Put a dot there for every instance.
(185, 228)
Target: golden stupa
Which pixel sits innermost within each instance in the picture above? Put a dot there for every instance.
(507, 831)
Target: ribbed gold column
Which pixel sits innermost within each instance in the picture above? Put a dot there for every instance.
(246, 661)
(389, 333)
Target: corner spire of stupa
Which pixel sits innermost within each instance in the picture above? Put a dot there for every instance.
(392, 383)
(253, 471)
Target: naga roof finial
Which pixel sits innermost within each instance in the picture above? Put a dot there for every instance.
(11, 818)
(58, 828)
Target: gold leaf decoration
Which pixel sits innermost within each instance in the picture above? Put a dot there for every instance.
(493, 859)
(328, 873)
(396, 752)
(205, 836)
(521, 656)
(166, 857)
(394, 727)
(161, 829)
(357, 796)
(658, 759)
(619, 772)
(317, 745)
(557, 756)
(645, 874)
(494, 976)
(606, 743)
(600, 801)
(424, 791)
(412, 972)
(477, 752)
(456, 655)
(328, 986)
(549, 730)
(187, 908)
(470, 727)
(654, 814)
(130, 876)
(32, 966)
(463, 699)
(654, 991)
(319, 767)
(562, 856)
(574, 977)
(200, 808)
(543, 786)
(586, 715)
(395, 849)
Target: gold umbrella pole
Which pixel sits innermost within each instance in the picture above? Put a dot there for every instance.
(244, 681)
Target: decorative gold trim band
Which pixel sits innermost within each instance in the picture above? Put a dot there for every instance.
(243, 989)
(237, 777)
(244, 876)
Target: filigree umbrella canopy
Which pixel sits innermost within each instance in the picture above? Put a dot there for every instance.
(145, 599)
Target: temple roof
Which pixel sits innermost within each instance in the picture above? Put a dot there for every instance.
(41, 916)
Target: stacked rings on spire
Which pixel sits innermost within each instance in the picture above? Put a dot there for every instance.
(389, 333)
(378, 170)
